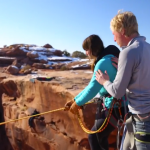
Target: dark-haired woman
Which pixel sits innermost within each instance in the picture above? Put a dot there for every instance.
(102, 56)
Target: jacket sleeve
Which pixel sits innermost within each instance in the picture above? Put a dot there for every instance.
(125, 67)
(80, 93)
(93, 87)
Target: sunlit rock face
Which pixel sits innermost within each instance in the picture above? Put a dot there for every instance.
(8, 87)
(57, 131)
(60, 130)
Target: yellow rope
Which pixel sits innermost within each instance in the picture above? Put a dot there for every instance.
(13, 120)
(31, 116)
(78, 116)
(106, 121)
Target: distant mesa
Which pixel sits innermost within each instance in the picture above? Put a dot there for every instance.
(25, 58)
(20, 45)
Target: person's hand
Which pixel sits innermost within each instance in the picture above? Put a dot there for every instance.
(115, 62)
(74, 108)
(68, 105)
(102, 77)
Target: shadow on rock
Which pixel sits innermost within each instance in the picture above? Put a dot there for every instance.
(9, 88)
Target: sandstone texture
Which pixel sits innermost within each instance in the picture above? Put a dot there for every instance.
(59, 130)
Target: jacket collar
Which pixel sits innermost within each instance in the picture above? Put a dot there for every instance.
(139, 38)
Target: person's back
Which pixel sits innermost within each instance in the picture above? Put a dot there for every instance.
(133, 74)
(139, 86)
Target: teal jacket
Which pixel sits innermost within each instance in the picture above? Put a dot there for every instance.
(94, 87)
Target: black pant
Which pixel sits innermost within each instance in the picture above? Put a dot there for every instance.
(99, 141)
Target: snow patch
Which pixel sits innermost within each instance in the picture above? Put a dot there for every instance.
(23, 49)
(52, 49)
(59, 58)
(42, 57)
(34, 52)
(14, 67)
(38, 48)
(76, 66)
(83, 60)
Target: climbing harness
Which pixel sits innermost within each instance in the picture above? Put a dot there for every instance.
(100, 108)
(142, 137)
(119, 126)
(119, 123)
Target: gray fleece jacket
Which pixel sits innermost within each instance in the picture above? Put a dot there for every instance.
(134, 75)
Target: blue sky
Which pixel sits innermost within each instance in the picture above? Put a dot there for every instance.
(65, 23)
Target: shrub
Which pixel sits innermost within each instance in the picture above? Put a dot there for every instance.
(78, 54)
(66, 53)
(64, 68)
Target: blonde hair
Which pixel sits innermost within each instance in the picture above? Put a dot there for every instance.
(124, 20)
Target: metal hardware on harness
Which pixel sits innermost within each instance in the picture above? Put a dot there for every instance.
(119, 126)
(120, 122)
(118, 104)
(98, 100)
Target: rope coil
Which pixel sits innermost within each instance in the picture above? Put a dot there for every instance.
(104, 125)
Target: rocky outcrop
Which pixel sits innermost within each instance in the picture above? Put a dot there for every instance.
(7, 60)
(32, 54)
(12, 52)
(47, 46)
(16, 63)
(27, 54)
(12, 70)
(58, 130)
(44, 57)
(39, 65)
(58, 52)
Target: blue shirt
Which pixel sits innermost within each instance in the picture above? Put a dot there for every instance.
(94, 87)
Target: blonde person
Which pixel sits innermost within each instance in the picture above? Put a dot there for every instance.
(95, 49)
(134, 75)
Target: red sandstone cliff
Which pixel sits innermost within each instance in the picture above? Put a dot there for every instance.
(58, 130)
